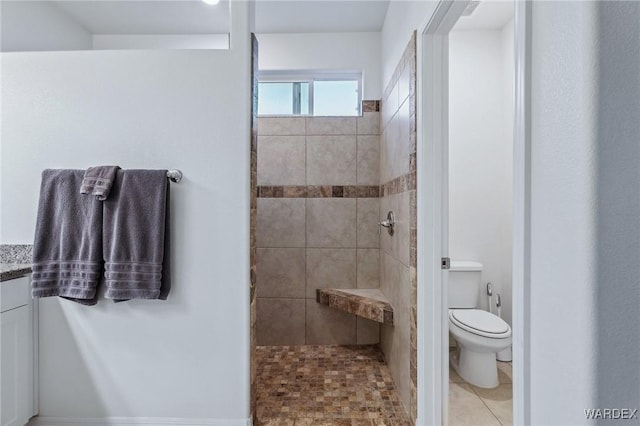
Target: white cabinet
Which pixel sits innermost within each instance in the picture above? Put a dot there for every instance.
(15, 366)
(17, 359)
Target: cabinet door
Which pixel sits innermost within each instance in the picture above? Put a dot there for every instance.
(35, 348)
(15, 366)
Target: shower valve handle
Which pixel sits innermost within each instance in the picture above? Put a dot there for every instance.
(389, 223)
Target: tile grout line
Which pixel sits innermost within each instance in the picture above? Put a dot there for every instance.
(484, 403)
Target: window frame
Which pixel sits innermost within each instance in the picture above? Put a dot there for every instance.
(299, 77)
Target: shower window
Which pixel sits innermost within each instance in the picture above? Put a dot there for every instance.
(283, 98)
(315, 94)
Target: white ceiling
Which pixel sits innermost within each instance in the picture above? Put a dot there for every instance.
(272, 16)
(149, 17)
(313, 16)
(196, 17)
(489, 15)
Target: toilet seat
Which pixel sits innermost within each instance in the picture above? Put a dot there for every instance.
(479, 322)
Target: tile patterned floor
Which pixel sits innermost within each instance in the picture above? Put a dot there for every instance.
(474, 406)
(326, 386)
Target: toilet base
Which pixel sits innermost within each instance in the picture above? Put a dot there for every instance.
(477, 368)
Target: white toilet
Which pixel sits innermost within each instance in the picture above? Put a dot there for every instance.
(479, 334)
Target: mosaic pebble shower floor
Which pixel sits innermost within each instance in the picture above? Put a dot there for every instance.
(326, 385)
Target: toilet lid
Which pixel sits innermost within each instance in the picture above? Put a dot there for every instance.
(480, 322)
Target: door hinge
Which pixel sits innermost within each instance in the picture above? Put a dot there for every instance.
(446, 263)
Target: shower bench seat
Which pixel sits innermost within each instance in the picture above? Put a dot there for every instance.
(371, 304)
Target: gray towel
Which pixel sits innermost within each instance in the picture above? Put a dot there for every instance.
(67, 252)
(135, 232)
(98, 181)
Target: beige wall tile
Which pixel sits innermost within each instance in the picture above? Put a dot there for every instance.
(368, 216)
(397, 245)
(331, 160)
(331, 125)
(385, 240)
(401, 238)
(389, 148)
(281, 222)
(395, 281)
(395, 343)
(389, 107)
(281, 321)
(395, 346)
(328, 326)
(281, 160)
(368, 267)
(281, 272)
(403, 84)
(367, 332)
(404, 125)
(334, 268)
(383, 173)
(397, 146)
(279, 126)
(331, 222)
(368, 160)
(369, 123)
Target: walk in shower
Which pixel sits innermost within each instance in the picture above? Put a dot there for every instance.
(335, 298)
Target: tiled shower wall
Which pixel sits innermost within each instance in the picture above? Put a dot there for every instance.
(398, 274)
(318, 209)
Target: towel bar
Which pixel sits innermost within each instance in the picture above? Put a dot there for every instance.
(174, 175)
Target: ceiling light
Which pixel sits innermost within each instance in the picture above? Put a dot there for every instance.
(212, 2)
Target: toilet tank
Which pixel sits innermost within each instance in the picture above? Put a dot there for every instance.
(464, 284)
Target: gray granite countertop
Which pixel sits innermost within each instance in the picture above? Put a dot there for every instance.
(9, 271)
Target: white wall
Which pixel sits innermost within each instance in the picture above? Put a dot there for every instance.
(481, 157)
(403, 17)
(618, 189)
(563, 206)
(186, 357)
(325, 51)
(160, 41)
(508, 117)
(585, 205)
(40, 25)
(583, 313)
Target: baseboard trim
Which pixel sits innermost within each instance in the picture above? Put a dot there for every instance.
(135, 421)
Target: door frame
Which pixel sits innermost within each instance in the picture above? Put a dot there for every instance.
(432, 154)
